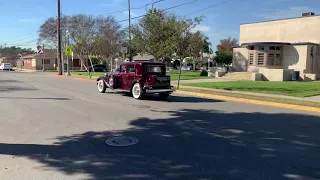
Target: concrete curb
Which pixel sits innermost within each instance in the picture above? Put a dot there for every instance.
(251, 101)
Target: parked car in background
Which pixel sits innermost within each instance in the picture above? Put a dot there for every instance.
(98, 68)
(5, 66)
(138, 79)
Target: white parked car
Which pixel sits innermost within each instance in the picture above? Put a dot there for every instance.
(5, 66)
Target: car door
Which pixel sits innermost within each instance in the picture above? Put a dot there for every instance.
(122, 76)
(130, 76)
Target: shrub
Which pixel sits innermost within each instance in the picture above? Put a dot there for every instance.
(204, 73)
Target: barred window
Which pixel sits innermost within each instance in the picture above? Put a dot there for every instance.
(251, 58)
(271, 59)
(260, 59)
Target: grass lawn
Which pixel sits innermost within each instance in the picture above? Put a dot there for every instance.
(298, 89)
(185, 75)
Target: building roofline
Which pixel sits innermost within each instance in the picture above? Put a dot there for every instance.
(278, 43)
(317, 15)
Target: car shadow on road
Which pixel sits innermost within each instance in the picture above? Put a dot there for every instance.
(191, 144)
(176, 98)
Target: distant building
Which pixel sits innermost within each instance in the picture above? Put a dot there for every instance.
(48, 60)
(143, 57)
(276, 48)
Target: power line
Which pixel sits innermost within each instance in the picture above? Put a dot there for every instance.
(125, 10)
(172, 7)
(214, 5)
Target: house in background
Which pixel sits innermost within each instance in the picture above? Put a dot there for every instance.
(275, 49)
(48, 61)
(143, 57)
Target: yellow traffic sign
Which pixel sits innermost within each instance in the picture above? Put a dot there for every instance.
(68, 51)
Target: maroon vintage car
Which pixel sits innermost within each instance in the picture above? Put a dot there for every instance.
(138, 79)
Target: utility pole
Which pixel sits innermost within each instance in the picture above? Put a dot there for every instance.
(59, 39)
(44, 57)
(129, 30)
(68, 64)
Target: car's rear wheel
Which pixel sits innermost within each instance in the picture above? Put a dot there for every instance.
(102, 86)
(137, 92)
(164, 95)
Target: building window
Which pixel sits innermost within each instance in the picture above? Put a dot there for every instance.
(260, 59)
(271, 59)
(251, 58)
(261, 48)
(46, 61)
(273, 48)
(278, 59)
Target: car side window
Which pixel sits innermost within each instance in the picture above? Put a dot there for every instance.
(131, 69)
(123, 69)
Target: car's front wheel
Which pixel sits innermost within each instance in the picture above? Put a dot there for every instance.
(102, 86)
(137, 92)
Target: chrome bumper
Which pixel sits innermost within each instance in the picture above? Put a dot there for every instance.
(159, 90)
(150, 90)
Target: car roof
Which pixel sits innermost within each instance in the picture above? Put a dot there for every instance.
(143, 62)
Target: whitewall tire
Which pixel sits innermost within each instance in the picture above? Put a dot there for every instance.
(102, 86)
(137, 91)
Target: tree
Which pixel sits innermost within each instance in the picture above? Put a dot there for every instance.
(90, 36)
(227, 44)
(83, 36)
(207, 46)
(48, 31)
(109, 38)
(196, 47)
(159, 33)
(223, 58)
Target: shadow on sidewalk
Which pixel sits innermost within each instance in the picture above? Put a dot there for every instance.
(191, 144)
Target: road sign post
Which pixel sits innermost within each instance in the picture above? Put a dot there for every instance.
(68, 52)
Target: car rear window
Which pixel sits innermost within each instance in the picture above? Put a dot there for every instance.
(155, 69)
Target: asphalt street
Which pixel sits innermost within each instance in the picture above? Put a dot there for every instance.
(55, 129)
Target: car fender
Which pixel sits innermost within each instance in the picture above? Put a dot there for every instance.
(136, 81)
(102, 78)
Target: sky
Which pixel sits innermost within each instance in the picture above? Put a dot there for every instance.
(20, 20)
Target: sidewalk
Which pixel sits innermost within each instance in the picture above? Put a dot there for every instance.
(312, 99)
(25, 70)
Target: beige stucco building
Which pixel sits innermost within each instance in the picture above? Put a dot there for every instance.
(276, 48)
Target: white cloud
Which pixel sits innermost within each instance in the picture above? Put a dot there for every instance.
(28, 20)
(201, 28)
(289, 12)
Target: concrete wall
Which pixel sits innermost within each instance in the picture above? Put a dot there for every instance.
(295, 57)
(240, 59)
(304, 29)
(276, 74)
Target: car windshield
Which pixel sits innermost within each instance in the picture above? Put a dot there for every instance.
(155, 69)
